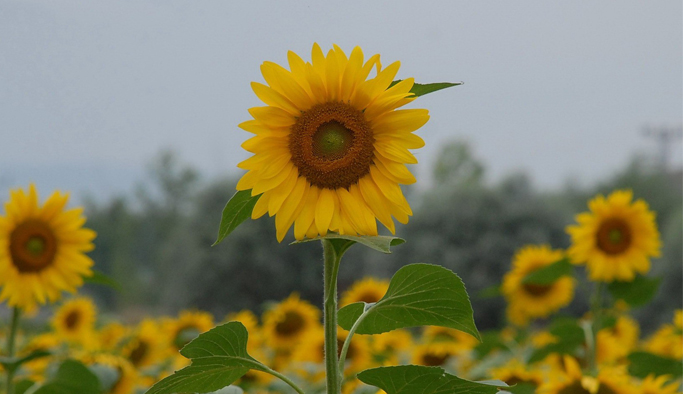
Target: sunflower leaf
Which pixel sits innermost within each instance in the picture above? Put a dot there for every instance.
(219, 357)
(236, 211)
(638, 292)
(418, 294)
(569, 337)
(23, 385)
(550, 273)
(12, 363)
(420, 89)
(416, 379)
(642, 364)
(381, 243)
(72, 377)
(98, 278)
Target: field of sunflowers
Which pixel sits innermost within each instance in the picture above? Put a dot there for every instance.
(330, 153)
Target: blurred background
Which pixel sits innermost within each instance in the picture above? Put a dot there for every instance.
(133, 107)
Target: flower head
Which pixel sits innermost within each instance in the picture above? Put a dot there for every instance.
(330, 146)
(42, 249)
(616, 239)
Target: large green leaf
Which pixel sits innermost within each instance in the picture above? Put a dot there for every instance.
(236, 211)
(642, 364)
(13, 363)
(569, 337)
(418, 295)
(550, 273)
(381, 243)
(23, 385)
(420, 89)
(638, 292)
(415, 379)
(72, 377)
(219, 357)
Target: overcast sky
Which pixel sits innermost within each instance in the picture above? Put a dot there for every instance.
(91, 90)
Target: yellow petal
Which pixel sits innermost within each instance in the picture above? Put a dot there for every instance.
(324, 210)
(273, 98)
(376, 202)
(305, 218)
(263, 185)
(400, 121)
(280, 193)
(394, 152)
(272, 116)
(397, 172)
(332, 80)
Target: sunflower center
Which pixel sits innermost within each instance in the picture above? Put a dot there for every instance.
(138, 353)
(614, 236)
(433, 360)
(33, 246)
(537, 290)
(574, 388)
(72, 319)
(290, 325)
(332, 145)
(369, 297)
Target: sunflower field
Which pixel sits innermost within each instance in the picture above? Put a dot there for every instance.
(330, 146)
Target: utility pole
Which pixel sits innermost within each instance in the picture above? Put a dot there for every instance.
(665, 136)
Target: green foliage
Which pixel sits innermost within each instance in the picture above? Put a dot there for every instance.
(638, 292)
(418, 294)
(551, 273)
(380, 243)
(490, 341)
(569, 337)
(23, 386)
(13, 363)
(414, 379)
(219, 357)
(642, 364)
(236, 211)
(72, 377)
(421, 89)
(98, 278)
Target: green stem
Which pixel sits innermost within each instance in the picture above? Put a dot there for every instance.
(284, 379)
(596, 316)
(347, 342)
(332, 259)
(16, 313)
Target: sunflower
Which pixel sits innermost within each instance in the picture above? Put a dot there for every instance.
(435, 354)
(527, 301)
(42, 249)
(667, 341)
(127, 377)
(367, 290)
(145, 346)
(515, 372)
(288, 322)
(456, 340)
(618, 341)
(187, 327)
(75, 319)
(387, 348)
(111, 336)
(312, 351)
(572, 381)
(331, 147)
(662, 384)
(37, 368)
(616, 239)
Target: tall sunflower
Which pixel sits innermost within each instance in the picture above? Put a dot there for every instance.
(331, 147)
(527, 301)
(616, 239)
(42, 249)
(289, 322)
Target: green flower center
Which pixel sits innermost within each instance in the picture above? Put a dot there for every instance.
(332, 141)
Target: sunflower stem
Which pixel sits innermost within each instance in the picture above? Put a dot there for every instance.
(596, 317)
(16, 314)
(332, 257)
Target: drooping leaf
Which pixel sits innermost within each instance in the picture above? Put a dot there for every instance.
(642, 364)
(416, 379)
(13, 363)
(219, 357)
(72, 377)
(637, 292)
(98, 278)
(550, 273)
(569, 337)
(421, 89)
(381, 243)
(418, 294)
(236, 211)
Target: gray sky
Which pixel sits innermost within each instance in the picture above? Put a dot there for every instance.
(91, 90)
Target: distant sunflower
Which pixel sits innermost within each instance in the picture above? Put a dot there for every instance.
(75, 319)
(456, 340)
(667, 341)
(387, 348)
(145, 346)
(616, 239)
(187, 327)
(515, 372)
(312, 350)
(435, 354)
(331, 148)
(42, 249)
(571, 380)
(367, 290)
(527, 301)
(662, 384)
(127, 376)
(618, 341)
(288, 322)
(111, 336)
